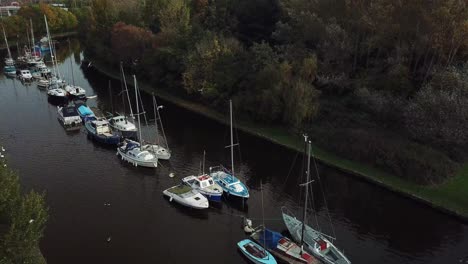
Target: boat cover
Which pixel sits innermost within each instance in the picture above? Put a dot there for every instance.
(85, 111)
(69, 111)
(270, 239)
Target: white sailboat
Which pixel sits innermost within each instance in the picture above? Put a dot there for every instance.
(131, 151)
(55, 91)
(122, 123)
(162, 152)
(231, 184)
(311, 240)
(74, 91)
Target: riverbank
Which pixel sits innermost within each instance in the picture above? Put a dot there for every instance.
(449, 197)
(54, 36)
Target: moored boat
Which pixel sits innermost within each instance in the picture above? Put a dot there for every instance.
(255, 252)
(99, 131)
(187, 196)
(282, 247)
(130, 151)
(205, 185)
(57, 95)
(68, 117)
(121, 124)
(75, 91)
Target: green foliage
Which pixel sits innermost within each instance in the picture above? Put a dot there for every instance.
(370, 65)
(26, 216)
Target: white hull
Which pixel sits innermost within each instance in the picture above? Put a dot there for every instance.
(137, 162)
(160, 152)
(186, 202)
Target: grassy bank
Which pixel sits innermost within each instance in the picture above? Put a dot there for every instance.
(450, 197)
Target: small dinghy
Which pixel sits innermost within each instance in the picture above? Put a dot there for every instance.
(186, 196)
(130, 151)
(25, 75)
(68, 117)
(205, 185)
(99, 131)
(255, 252)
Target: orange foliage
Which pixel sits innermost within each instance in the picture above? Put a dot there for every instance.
(131, 42)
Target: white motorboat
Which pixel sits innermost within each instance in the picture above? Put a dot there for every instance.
(205, 185)
(69, 117)
(25, 75)
(187, 196)
(124, 126)
(130, 151)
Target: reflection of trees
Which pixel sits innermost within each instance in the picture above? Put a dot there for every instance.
(406, 226)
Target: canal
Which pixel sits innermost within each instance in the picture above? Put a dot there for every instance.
(372, 224)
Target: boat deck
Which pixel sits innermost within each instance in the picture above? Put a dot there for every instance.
(179, 189)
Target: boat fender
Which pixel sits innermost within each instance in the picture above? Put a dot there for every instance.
(170, 199)
(248, 226)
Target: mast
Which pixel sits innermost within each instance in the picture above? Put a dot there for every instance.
(161, 124)
(204, 154)
(155, 109)
(71, 66)
(6, 42)
(138, 111)
(50, 45)
(307, 145)
(263, 219)
(126, 90)
(232, 139)
(32, 35)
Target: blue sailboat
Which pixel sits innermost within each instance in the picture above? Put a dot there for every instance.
(231, 184)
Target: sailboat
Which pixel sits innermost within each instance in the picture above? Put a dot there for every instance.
(121, 123)
(9, 69)
(255, 252)
(225, 178)
(313, 241)
(74, 91)
(158, 149)
(55, 91)
(131, 151)
(33, 59)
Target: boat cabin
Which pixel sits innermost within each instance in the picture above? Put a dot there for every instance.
(101, 127)
(202, 181)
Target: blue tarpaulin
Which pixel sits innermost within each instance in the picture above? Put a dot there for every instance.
(85, 111)
(269, 238)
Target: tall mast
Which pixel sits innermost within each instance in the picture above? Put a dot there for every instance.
(126, 90)
(232, 139)
(306, 189)
(263, 218)
(50, 46)
(6, 42)
(155, 109)
(138, 111)
(32, 35)
(71, 66)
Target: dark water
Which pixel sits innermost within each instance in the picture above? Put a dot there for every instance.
(372, 224)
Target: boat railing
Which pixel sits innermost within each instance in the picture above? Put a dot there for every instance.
(220, 168)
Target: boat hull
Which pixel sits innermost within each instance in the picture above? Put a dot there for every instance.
(310, 237)
(135, 162)
(179, 200)
(57, 100)
(226, 181)
(107, 140)
(268, 259)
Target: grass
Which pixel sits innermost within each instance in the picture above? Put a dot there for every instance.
(451, 196)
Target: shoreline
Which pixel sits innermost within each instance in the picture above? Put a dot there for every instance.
(432, 196)
(54, 36)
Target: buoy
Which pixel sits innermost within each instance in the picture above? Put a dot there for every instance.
(171, 175)
(109, 239)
